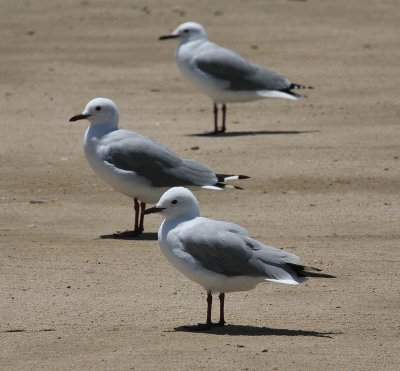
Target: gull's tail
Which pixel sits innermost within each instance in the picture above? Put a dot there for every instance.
(223, 186)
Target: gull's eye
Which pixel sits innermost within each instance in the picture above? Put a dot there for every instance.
(173, 202)
(98, 108)
(186, 31)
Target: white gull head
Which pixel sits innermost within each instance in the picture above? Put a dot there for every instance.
(189, 31)
(178, 202)
(99, 111)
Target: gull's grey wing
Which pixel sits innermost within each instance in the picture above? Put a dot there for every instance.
(151, 160)
(226, 65)
(226, 248)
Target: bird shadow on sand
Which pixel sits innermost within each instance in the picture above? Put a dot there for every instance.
(250, 133)
(242, 330)
(148, 236)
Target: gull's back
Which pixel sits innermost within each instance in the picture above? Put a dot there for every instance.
(224, 75)
(222, 256)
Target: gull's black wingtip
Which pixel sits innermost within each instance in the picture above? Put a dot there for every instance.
(299, 86)
(305, 271)
(227, 177)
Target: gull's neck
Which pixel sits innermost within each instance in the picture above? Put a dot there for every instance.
(170, 223)
(190, 44)
(100, 129)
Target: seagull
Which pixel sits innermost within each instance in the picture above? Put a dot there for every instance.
(218, 255)
(138, 166)
(224, 75)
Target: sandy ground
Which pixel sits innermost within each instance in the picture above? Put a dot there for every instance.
(325, 185)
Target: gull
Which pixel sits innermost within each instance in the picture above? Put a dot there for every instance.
(224, 75)
(138, 166)
(218, 255)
